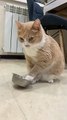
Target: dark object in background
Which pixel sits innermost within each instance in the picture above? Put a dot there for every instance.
(49, 21)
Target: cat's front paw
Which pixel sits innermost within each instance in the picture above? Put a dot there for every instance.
(50, 81)
(29, 78)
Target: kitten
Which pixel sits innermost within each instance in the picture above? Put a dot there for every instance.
(43, 55)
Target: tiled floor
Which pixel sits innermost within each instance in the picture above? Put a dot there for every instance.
(41, 101)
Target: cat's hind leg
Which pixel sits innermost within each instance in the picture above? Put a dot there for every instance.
(48, 78)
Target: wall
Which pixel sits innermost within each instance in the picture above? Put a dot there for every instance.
(49, 0)
(2, 18)
(15, 2)
(2, 21)
(65, 43)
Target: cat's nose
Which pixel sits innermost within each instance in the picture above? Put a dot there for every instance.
(27, 45)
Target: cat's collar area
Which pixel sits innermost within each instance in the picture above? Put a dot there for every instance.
(42, 43)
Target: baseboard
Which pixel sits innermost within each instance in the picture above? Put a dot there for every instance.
(12, 57)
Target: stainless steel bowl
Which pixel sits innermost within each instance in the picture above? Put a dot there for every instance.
(20, 81)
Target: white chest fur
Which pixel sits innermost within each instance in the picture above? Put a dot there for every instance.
(33, 49)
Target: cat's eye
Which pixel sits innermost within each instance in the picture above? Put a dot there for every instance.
(31, 39)
(21, 39)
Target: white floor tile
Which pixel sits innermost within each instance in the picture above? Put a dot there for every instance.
(41, 101)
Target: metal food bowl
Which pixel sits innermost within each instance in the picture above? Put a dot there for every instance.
(20, 81)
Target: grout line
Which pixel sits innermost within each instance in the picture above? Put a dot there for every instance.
(18, 104)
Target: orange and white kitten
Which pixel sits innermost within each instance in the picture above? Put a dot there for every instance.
(43, 55)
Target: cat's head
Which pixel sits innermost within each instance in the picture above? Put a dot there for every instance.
(29, 33)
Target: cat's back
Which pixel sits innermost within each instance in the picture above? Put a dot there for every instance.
(52, 55)
(57, 56)
(52, 46)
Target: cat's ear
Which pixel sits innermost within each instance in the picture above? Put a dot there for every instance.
(18, 24)
(36, 24)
